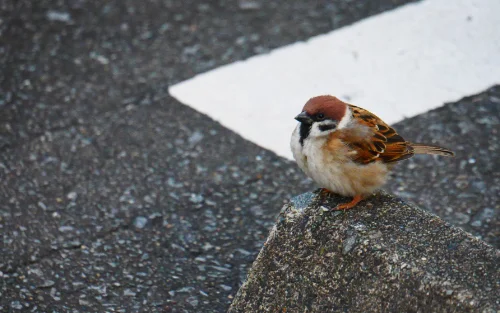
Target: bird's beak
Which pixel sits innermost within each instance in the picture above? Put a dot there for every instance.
(303, 117)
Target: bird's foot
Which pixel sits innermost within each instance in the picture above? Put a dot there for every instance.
(348, 205)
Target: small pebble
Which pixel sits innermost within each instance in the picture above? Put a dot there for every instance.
(140, 222)
(185, 289)
(193, 301)
(461, 218)
(129, 293)
(226, 287)
(46, 284)
(148, 199)
(16, 305)
(72, 196)
(64, 229)
(195, 138)
(59, 16)
(349, 243)
(249, 5)
(196, 198)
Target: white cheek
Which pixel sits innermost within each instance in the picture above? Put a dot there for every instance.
(316, 132)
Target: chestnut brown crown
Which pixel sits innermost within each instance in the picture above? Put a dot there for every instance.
(325, 107)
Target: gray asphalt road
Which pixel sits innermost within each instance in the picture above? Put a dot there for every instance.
(113, 196)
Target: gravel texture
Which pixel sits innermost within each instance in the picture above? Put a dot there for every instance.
(385, 256)
(136, 213)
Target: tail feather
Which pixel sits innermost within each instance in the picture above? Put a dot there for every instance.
(419, 148)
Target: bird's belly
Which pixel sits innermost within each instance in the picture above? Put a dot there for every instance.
(339, 174)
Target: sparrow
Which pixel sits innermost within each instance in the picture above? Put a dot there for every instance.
(348, 150)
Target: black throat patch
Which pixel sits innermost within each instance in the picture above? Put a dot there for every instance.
(305, 129)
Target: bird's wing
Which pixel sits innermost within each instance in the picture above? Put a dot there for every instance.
(379, 143)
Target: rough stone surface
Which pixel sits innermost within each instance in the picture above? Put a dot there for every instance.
(384, 256)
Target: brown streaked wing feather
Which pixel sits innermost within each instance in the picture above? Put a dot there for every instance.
(383, 144)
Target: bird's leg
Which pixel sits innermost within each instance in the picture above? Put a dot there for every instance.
(349, 205)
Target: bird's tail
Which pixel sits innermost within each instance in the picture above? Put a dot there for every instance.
(419, 148)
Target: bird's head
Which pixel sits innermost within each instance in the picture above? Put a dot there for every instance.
(321, 116)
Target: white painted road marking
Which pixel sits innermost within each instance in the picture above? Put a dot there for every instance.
(396, 64)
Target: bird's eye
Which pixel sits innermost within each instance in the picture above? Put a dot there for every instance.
(320, 116)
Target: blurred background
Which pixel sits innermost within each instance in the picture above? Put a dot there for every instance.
(144, 144)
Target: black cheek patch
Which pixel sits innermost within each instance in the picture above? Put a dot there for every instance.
(327, 127)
